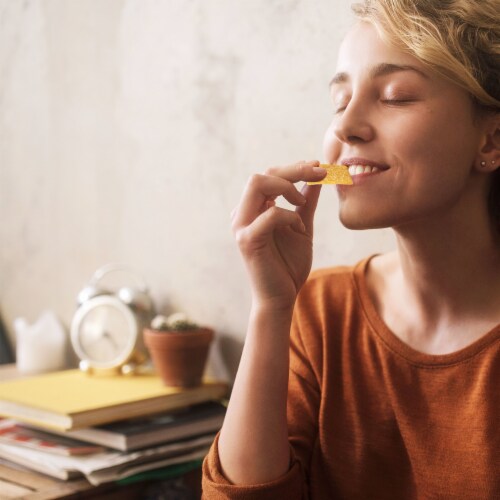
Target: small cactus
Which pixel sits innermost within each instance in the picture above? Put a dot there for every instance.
(177, 322)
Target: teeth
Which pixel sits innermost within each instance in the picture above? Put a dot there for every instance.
(362, 169)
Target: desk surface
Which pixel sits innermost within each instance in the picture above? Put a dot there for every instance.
(16, 483)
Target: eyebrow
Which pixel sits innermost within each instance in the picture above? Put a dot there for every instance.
(382, 69)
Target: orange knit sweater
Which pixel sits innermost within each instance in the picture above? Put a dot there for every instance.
(370, 417)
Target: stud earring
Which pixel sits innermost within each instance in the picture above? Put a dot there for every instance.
(483, 164)
(492, 162)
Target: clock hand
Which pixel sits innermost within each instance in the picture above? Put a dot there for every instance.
(108, 336)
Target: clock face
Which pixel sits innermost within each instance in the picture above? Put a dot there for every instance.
(104, 332)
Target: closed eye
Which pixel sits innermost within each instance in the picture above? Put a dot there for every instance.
(398, 102)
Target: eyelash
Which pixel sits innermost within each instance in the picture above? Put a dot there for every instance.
(397, 102)
(391, 102)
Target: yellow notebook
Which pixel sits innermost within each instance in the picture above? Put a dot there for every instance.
(71, 399)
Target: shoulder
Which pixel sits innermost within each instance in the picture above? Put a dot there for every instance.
(330, 294)
(339, 283)
(328, 308)
(332, 283)
(339, 276)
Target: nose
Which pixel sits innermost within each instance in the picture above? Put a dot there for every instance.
(353, 125)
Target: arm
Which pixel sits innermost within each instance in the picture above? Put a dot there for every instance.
(276, 245)
(258, 404)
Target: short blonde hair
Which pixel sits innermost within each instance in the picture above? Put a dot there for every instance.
(459, 39)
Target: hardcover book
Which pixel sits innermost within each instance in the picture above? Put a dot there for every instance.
(133, 434)
(72, 399)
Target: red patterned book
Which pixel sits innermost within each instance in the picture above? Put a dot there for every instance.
(17, 435)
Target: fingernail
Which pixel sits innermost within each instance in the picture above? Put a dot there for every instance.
(319, 170)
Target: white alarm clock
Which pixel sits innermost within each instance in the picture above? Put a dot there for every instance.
(106, 330)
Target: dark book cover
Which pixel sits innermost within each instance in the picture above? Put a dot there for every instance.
(6, 354)
(140, 432)
(151, 423)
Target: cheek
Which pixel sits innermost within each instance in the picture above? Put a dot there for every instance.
(441, 138)
(440, 157)
(331, 145)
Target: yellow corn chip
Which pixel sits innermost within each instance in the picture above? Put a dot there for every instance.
(336, 174)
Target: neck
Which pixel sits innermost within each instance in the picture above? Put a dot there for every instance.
(450, 265)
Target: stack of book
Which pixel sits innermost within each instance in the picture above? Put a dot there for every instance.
(66, 424)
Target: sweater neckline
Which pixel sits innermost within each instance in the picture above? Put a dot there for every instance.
(395, 344)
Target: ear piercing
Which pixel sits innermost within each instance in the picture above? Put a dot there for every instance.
(483, 163)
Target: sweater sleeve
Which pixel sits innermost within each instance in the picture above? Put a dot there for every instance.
(302, 415)
(216, 487)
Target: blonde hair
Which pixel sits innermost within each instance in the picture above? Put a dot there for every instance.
(459, 39)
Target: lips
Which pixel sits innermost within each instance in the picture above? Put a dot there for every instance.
(359, 166)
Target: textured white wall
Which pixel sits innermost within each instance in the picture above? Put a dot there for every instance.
(128, 129)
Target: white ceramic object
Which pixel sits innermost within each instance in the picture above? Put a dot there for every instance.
(42, 346)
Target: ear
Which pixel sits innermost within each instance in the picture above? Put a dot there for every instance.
(488, 159)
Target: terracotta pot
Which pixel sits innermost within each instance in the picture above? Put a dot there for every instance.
(179, 357)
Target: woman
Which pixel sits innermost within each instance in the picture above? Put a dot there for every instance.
(390, 387)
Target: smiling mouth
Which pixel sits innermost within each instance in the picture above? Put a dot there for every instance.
(359, 166)
(362, 169)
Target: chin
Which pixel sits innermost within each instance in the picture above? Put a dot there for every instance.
(359, 225)
(358, 220)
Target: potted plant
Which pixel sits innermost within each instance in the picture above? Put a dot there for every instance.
(179, 349)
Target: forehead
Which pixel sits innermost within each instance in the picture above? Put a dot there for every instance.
(363, 48)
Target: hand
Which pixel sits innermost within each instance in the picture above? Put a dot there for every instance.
(276, 243)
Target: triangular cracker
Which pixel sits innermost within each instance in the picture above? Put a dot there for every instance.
(336, 174)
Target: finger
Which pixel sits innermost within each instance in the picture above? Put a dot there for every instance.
(303, 171)
(265, 224)
(307, 211)
(260, 193)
